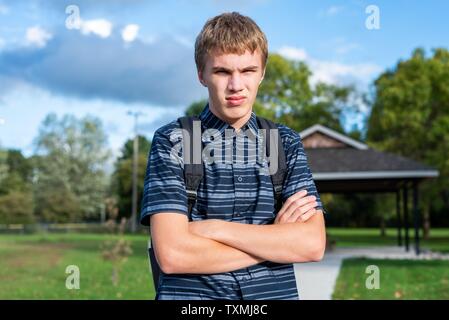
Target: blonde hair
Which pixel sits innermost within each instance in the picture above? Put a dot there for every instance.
(229, 33)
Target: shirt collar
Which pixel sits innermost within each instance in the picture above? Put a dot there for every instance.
(211, 121)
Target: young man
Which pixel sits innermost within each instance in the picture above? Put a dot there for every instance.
(236, 246)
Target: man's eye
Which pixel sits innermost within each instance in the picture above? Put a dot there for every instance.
(248, 71)
(221, 72)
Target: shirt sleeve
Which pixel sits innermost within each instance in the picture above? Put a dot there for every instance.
(164, 187)
(299, 176)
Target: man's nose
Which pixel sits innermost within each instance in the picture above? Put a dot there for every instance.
(235, 83)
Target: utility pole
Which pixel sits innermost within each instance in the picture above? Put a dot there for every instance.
(134, 174)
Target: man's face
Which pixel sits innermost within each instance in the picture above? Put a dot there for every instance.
(232, 81)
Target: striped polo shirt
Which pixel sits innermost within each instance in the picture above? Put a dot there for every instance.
(238, 191)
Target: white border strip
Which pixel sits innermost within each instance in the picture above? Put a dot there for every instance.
(375, 175)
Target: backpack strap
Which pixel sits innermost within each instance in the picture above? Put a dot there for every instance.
(193, 172)
(278, 177)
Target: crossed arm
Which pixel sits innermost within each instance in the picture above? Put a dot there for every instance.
(215, 246)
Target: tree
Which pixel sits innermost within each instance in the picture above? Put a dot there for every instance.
(3, 166)
(16, 198)
(69, 168)
(122, 177)
(410, 116)
(195, 108)
(287, 96)
(16, 207)
(15, 171)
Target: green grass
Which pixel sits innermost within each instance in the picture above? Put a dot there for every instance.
(33, 267)
(344, 237)
(399, 279)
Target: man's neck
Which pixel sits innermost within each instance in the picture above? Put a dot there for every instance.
(238, 124)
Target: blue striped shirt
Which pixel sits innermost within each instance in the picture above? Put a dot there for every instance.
(238, 191)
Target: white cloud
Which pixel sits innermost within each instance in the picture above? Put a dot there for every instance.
(2, 121)
(4, 9)
(345, 48)
(333, 10)
(37, 36)
(333, 72)
(341, 46)
(293, 53)
(149, 39)
(100, 27)
(184, 41)
(129, 33)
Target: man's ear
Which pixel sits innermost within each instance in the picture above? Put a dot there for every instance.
(200, 78)
(263, 75)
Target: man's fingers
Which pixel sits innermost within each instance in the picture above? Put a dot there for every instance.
(291, 199)
(306, 216)
(306, 201)
(301, 211)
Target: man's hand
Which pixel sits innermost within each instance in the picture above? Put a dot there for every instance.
(298, 207)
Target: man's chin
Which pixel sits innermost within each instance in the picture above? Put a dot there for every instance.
(236, 111)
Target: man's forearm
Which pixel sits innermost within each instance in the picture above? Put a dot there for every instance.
(282, 243)
(198, 255)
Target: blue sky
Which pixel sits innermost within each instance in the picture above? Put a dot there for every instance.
(138, 55)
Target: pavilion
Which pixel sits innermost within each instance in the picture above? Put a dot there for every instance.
(340, 164)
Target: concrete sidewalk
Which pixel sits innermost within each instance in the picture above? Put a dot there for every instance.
(316, 280)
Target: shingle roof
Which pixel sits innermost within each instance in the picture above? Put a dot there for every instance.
(349, 159)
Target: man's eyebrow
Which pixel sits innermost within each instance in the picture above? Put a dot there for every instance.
(219, 68)
(251, 68)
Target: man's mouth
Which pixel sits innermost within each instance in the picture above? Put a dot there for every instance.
(235, 100)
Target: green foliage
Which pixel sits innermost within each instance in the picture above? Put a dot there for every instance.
(195, 108)
(127, 149)
(360, 210)
(70, 182)
(121, 182)
(16, 197)
(410, 116)
(3, 166)
(286, 96)
(16, 162)
(16, 207)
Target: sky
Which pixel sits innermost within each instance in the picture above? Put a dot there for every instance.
(107, 57)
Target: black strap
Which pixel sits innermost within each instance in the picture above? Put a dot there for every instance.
(278, 176)
(193, 163)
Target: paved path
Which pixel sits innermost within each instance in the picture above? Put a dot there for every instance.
(316, 280)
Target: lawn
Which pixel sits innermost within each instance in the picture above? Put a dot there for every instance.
(33, 267)
(399, 279)
(438, 241)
